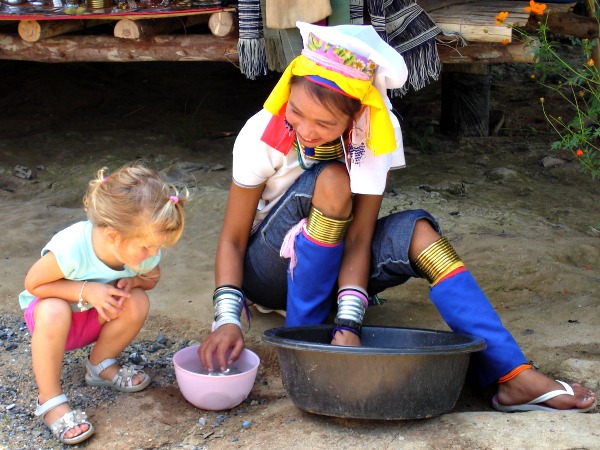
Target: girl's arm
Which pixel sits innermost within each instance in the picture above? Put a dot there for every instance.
(356, 262)
(147, 281)
(46, 280)
(229, 270)
(239, 217)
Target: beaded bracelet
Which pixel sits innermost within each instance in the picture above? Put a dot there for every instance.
(343, 328)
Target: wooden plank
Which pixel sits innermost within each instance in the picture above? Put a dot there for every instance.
(477, 33)
(475, 20)
(482, 53)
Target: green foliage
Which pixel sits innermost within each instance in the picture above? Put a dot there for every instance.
(578, 86)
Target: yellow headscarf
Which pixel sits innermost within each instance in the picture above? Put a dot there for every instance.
(381, 139)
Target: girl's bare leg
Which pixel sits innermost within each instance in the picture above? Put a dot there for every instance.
(118, 333)
(52, 322)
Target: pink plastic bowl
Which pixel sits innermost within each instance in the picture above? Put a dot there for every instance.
(214, 392)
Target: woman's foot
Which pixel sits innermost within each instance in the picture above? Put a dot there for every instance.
(529, 385)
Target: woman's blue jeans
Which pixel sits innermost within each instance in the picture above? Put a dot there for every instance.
(265, 272)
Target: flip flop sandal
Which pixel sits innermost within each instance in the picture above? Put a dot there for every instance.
(537, 404)
(68, 421)
(122, 381)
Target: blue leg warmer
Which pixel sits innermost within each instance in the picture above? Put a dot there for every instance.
(312, 282)
(465, 308)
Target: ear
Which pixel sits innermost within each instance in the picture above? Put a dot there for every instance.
(111, 235)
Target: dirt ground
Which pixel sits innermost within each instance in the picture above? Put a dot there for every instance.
(528, 231)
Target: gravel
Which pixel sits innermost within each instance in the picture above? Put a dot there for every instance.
(19, 428)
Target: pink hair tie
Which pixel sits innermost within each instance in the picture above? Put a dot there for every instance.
(174, 198)
(103, 180)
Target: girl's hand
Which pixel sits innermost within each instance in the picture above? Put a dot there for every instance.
(125, 284)
(107, 299)
(218, 343)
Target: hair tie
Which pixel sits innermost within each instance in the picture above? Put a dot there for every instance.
(103, 180)
(174, 199)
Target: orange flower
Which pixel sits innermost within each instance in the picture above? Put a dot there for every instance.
(535, 8)
(500, 18)
(579, 153)
(505, 41)
(591, 62)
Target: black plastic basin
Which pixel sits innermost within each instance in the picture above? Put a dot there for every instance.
(397, 373)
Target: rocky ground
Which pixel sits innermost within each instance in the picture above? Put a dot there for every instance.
(523, 217)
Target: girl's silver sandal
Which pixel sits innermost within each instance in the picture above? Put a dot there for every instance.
(68, 421)
(122, 381)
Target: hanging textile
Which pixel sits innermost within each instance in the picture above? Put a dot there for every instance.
(251, 43)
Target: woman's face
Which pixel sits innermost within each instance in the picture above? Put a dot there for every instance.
(313, 122)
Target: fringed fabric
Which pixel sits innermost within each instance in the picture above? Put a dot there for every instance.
(251, 44)
(288, 248)
(357, 12)
(407, 28)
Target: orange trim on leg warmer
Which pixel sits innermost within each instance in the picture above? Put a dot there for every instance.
(513, 373)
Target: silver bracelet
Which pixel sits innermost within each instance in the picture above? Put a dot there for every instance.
(82, 304)
(351, 306)
(228, 302)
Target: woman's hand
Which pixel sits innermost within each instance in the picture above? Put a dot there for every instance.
(346, 338)
(215, 347)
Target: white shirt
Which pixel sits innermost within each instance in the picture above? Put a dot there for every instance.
(255, 163)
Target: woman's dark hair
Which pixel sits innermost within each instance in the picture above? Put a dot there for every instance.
(329, 98)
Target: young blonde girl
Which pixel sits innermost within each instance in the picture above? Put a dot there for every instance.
(90, 286)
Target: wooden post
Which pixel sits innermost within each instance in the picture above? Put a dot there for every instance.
(466, 100)
(34, 31)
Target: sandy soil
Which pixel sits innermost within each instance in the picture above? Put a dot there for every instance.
(528, 231)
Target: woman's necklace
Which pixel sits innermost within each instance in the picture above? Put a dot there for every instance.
(328, 151)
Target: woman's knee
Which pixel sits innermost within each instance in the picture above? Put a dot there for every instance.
(423, 236)
(332, 195)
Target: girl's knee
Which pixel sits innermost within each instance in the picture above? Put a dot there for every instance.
(53, 312)
(138, 305)
(332, 194)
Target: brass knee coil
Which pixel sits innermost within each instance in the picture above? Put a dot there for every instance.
(437, 260)
(325, 229)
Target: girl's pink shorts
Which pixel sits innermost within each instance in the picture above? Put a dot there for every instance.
(85, 327)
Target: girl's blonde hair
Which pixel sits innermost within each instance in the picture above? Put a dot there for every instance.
(135, 202)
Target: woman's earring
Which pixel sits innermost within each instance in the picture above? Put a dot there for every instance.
(288, 125)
